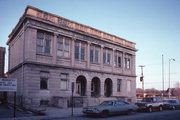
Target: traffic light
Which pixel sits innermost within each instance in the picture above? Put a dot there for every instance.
(141, 78)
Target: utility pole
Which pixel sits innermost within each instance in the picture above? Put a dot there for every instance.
(163, 76)
(142, 77)
(169, 92)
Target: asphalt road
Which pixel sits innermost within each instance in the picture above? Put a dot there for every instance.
(164, 115)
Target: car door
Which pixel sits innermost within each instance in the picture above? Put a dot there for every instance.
(120, 106)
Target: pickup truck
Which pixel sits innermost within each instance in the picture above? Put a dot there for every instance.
(150, 104)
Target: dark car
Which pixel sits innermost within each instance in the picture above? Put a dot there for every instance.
(150, 104)
(110, 107)
(171, 104)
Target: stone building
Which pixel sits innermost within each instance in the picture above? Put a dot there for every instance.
(2, 61)
(48, 53)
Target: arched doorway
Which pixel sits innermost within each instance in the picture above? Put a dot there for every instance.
(108, 87)
(95, 87)
(81, 85)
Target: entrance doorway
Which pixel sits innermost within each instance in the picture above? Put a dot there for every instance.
(81, 85)
(95, 87)
(108, 87)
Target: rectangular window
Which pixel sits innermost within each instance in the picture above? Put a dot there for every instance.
(91, 55)
(63, 47)
(127, 63)
(117, 59)
(43, 42)
(43, 83)
(82, 52)
(79, 51)
(76, 51)
(128, 86)
(64, 81)
(94, 54)
(44, 80)
(119, 81)
(106, 57)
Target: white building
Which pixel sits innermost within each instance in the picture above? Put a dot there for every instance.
(47, 53)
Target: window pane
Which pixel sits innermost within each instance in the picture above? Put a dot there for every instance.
(76, 52)
(47, 47)
(66, 45)
(128, 64)
(108, 58)
(66, 54)
(59, 53)
(40, 35)
(39, 49)
(91, 55)
(39, 42)
(47, 37)
(115, 60)
(119, 61)
(82, 53)
(96, 56)
(104, 57)
(60, 45)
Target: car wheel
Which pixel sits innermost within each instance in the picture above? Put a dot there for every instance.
(173, 107)
(129, 112)
(105, 114)
(150, 109)
(160, 108)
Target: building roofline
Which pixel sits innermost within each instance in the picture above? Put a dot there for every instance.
(33, 11)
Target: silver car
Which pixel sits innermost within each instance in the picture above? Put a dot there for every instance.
(110, 107)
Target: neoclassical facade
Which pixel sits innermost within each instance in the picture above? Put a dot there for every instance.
(48, 53)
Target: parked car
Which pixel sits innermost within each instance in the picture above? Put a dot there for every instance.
(107, 108)
(171, 104)
(150, 103)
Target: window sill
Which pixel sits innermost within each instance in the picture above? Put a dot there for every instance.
(43, 54)
(107, 65)
(94, 63)
(44, 89)
(67, 58)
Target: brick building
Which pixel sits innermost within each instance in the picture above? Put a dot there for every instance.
(47, 53)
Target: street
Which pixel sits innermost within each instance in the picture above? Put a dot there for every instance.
(164, 115)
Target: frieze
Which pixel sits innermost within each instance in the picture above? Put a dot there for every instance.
(74, 25)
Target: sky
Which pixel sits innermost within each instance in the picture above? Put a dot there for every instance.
(154, 25)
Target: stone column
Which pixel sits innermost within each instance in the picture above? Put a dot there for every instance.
(113, 59)
(54, 48)
(101, 56)
(72, 52)
(123, 57)
(88, 54)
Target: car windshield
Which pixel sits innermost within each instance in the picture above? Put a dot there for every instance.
(147, 100)
(170, 101)
(107, 103)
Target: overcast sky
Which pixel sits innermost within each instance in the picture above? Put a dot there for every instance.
(154, 25)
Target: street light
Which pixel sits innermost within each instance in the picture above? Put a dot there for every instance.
(169, 92)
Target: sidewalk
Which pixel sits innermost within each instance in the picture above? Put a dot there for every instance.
(52, 113)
